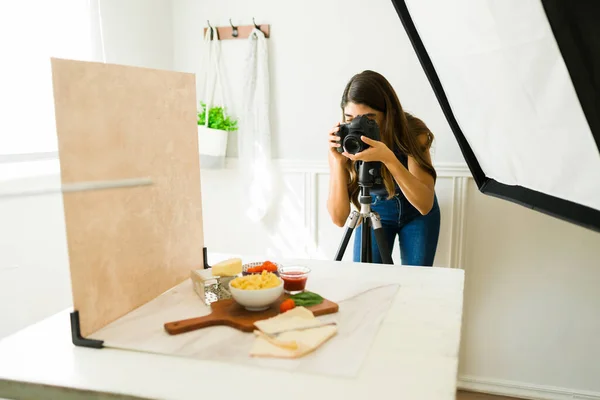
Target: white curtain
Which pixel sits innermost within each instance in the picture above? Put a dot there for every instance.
(254, 139)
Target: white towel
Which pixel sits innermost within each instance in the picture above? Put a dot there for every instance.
(254, 137)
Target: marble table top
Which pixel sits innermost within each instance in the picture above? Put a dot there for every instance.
(362, 308)
(414, 353)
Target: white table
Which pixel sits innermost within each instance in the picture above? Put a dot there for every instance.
(413, 356)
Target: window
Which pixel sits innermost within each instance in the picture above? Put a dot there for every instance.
(31, 32)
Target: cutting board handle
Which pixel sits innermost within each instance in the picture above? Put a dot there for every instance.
(187, 325)
(229, 313)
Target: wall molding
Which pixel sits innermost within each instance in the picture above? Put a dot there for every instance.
(444, 169)
(457, 220)
(311, 170)
(18, 168)
(523, 390)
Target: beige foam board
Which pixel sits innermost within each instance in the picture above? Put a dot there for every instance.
(127, 245)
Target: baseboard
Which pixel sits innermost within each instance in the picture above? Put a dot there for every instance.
(523, 390)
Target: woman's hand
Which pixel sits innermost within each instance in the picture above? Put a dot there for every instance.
(377, 152)
(335, 157)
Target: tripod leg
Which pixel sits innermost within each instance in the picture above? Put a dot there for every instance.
(382, 244)
(351, 223)
(365, 242)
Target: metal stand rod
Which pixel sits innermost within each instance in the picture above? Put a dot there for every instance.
(351, 223)
(382, 244)
(366, 255)
(78, 187)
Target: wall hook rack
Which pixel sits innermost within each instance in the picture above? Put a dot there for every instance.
(234, 29)
(238, 32)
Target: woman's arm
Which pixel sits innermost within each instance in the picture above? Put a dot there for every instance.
(338, 202)
(417, 184)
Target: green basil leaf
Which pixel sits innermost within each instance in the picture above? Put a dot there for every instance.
(305, 294)
(306, 299)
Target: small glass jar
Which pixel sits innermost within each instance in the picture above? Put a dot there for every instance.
(294, 278)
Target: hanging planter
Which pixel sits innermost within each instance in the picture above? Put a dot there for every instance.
(214, 125)
(213, 135)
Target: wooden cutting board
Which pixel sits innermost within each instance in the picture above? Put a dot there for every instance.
(229, 313)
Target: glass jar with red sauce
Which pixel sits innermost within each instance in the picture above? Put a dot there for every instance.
(294, 278)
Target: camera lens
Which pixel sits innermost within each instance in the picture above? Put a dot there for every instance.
(352, 145)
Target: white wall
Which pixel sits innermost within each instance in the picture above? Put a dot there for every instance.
(532, 301)
(34, 274)
(135, 32)
(315, 48)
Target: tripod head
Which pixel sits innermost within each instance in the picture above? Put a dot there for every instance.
(369, 175)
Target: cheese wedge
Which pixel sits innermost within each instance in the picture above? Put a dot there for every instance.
(292, 334)
(230, 267)
(296, 318)
(294, 344)
(277, 342)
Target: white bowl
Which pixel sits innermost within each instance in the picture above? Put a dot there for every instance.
(257, 300)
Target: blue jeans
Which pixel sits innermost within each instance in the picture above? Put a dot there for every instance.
(417, 234)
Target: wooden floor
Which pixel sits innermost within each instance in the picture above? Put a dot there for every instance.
(463, 395)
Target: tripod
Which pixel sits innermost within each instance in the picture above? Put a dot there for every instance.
(367, 176)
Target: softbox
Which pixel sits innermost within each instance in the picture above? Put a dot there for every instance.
(519, 84)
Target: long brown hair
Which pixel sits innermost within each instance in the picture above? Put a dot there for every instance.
(400, 130)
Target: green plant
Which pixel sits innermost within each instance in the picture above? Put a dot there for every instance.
(217, 119)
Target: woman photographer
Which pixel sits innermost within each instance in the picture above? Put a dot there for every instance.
(406, 200)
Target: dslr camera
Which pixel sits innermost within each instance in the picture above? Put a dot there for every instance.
(351, 132)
